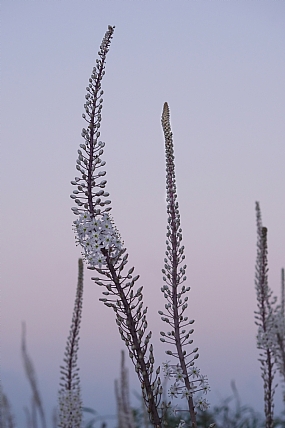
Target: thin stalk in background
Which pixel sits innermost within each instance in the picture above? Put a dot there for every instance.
(264, 320)
(278, 338)
(125, 412)
(70, 404)
(188, 379)
(36, 401)
(102, 246)
(7, 419)
(282, 291)
(280, 332)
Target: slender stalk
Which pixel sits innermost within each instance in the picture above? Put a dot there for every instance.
(264, 319)
(174, 276)
(137, 351)
(31, 375)
(282, 291)
(279, 337)
(174, 224)
(125, 414)
(70, 405)
(7, 419)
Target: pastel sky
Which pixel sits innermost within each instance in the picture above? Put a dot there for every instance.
(220, 65)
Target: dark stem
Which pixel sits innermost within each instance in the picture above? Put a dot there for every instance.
(75, 326)
(138, 352)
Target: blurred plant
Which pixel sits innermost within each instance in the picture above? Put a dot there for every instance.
(141, 415)
(36, 401)
(265, 320)
(7, 419)
(188, 379)
(96, 417)
(229, 413)
(279, 334)
(102, 246)
(70, 404)
(237, 416)
(125, 412)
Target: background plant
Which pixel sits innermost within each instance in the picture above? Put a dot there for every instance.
(37, 409)
(69, 400)
(265, 320)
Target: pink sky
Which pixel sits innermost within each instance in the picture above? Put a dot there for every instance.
(220, 66)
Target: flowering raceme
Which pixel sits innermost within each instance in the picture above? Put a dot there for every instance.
(95, 234)
(265, 320)
(102, 247)
(69, 399)
(187, 377)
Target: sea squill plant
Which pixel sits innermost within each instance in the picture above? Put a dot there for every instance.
(37, 407)
(69, 398)
(265, 320)
(103, 248)
(188, 380)
(279, 336)
(125, 412)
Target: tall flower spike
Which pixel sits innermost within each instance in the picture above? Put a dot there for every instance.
(89, 195)
(70, 405)
(264, 320)
(188, 379)
(104, 251)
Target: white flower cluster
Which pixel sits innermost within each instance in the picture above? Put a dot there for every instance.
(96, 234)
(199, 383)
(70, 408)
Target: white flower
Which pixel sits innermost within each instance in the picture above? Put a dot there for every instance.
(186, 394)
(202, 403)
(96, 234)
(174, 390)
(194, 372)
(107, 240)
(179, 373)
(168, 370)
(206, 388)
(70, 405)
(192, 387)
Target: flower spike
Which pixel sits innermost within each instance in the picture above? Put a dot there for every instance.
(264, 319)
(103, 249)
(70, 403)
(187, 377)
(90, 195)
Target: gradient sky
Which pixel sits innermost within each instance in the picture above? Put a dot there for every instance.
(220, 65)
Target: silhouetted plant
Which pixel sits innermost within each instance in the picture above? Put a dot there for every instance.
(278, 339)
(103, 249)
(188, 379)
(70, 404)
(36, 401)
(265, 320)
(124, 410)
(7, 419)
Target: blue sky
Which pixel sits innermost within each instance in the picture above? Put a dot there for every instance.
(220, 66)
